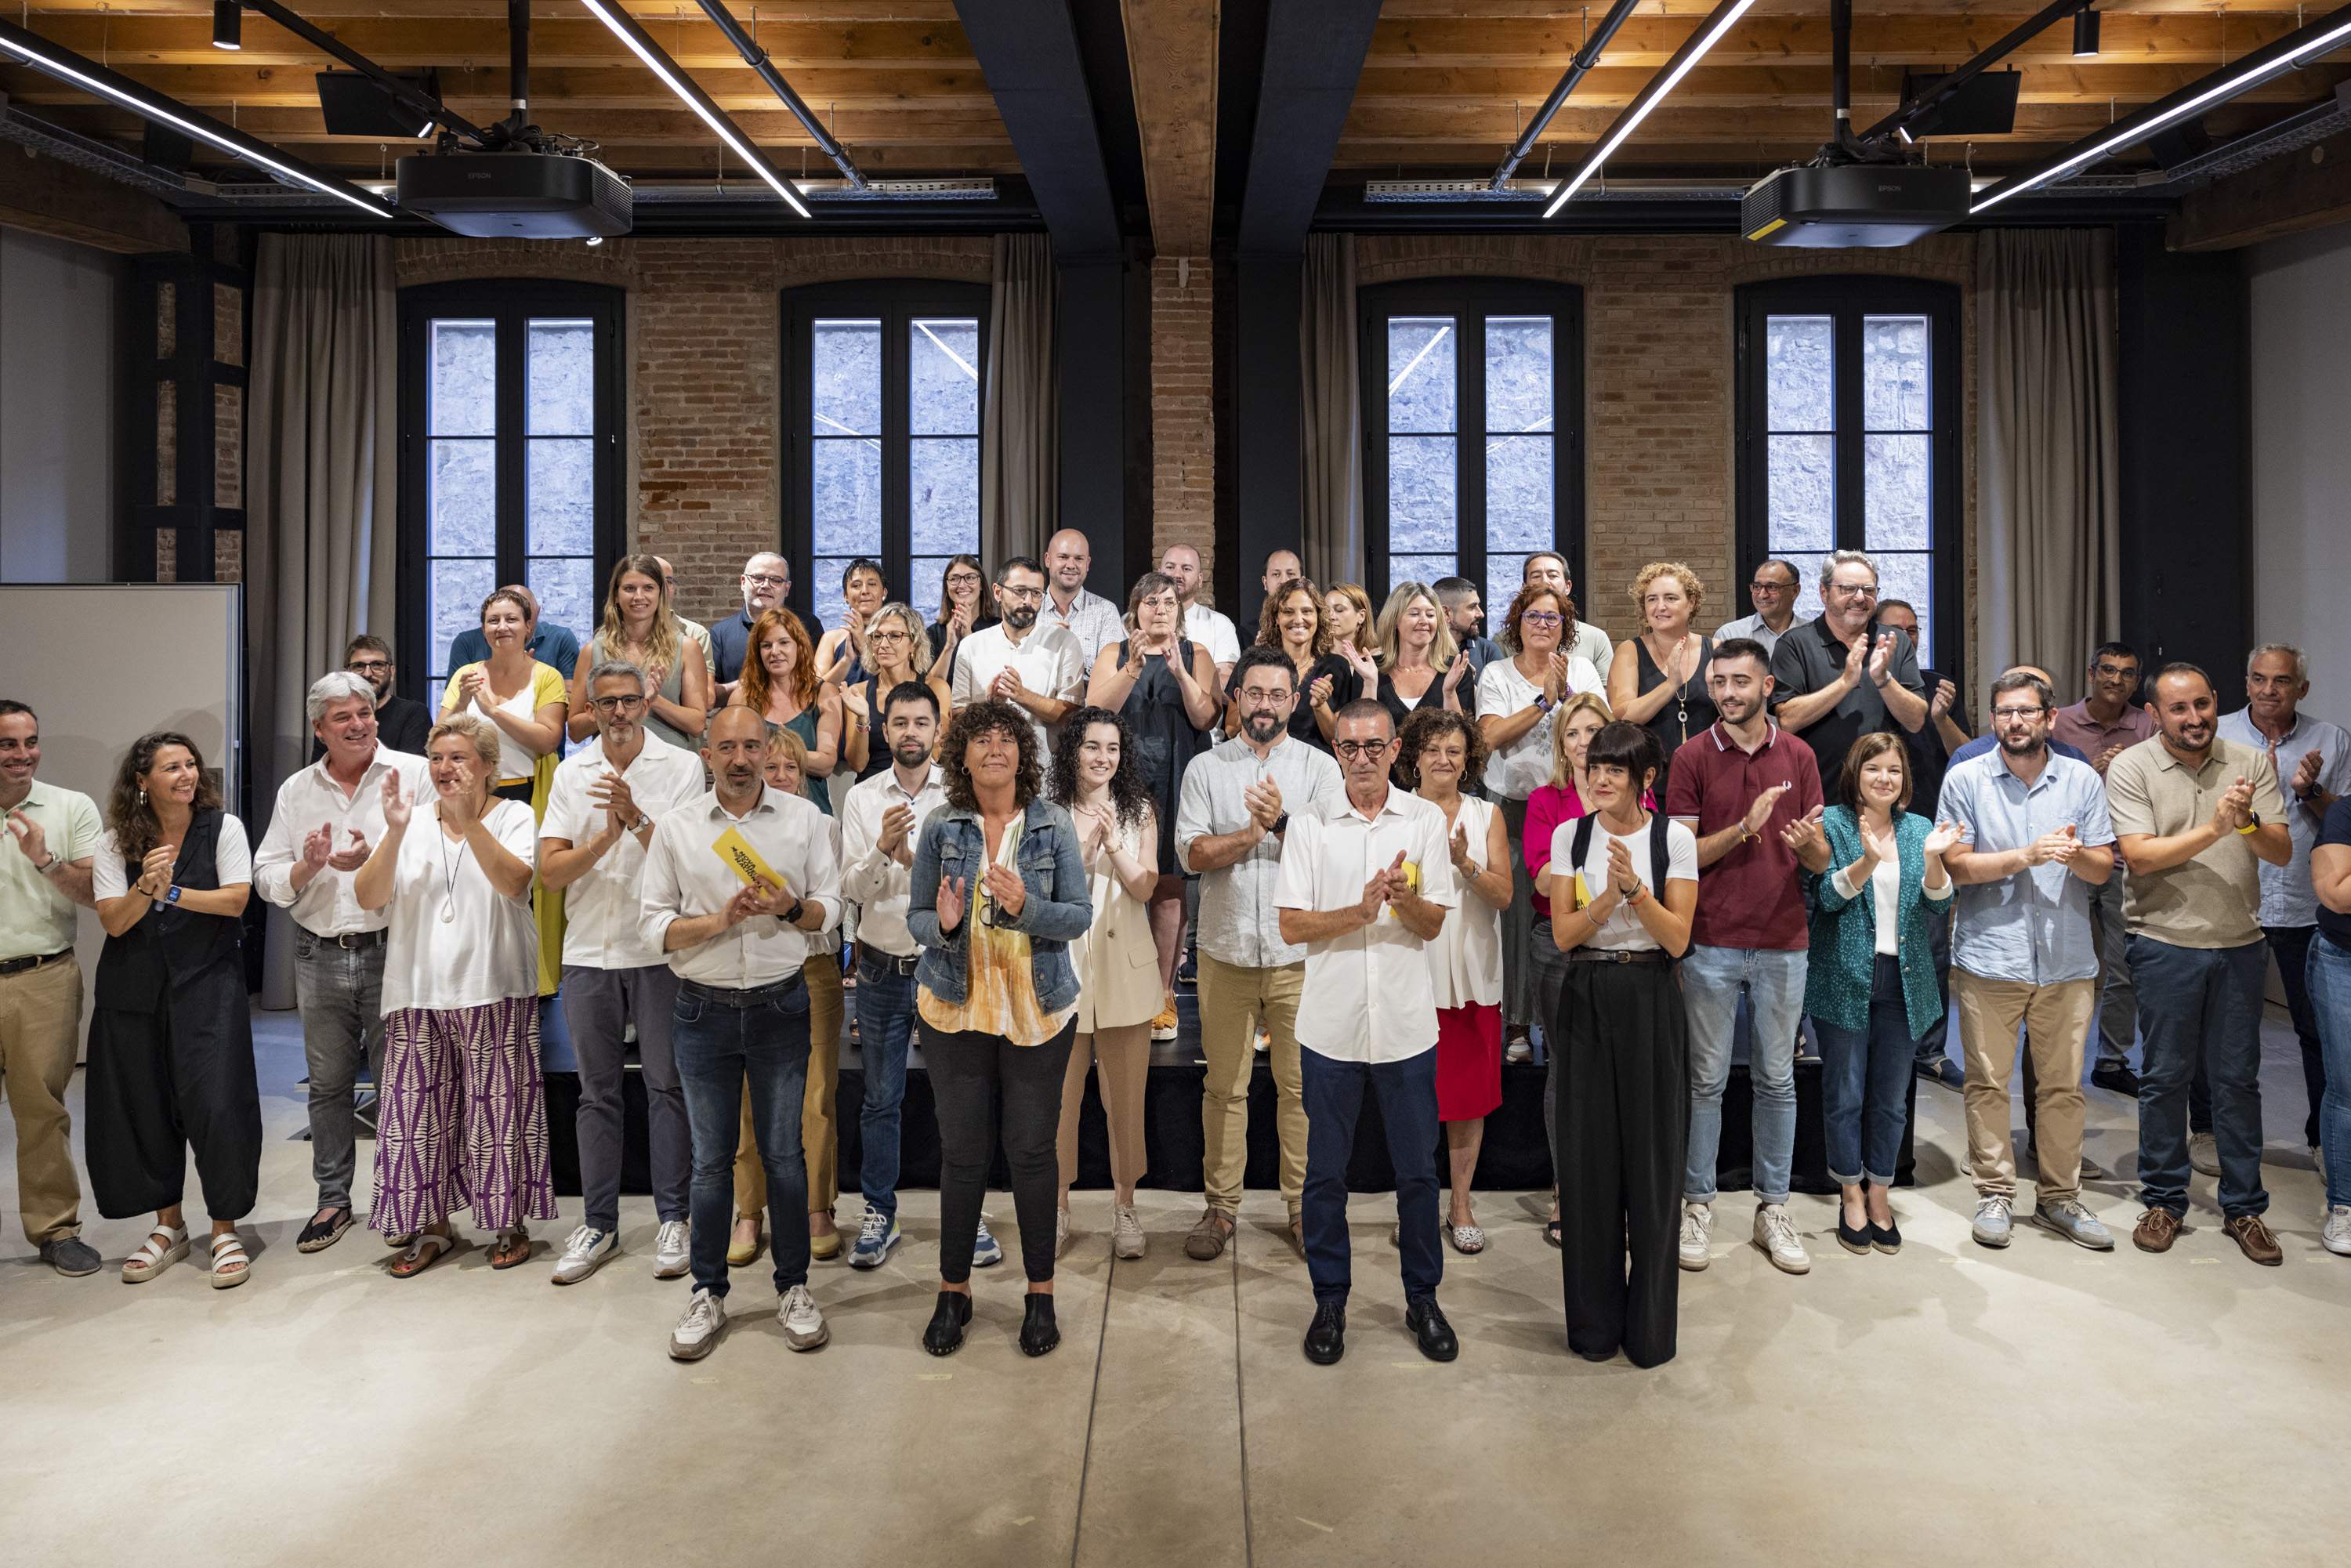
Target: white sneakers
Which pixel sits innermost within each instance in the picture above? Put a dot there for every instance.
(1126, 1232)
(698, 1329)
(586, 1251)
(1775, 1234)
(2337, 1237)
(1697, 1235)
(804, 1326)
(671, 1259)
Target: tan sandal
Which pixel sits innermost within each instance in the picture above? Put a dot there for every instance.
(150, 1259)
(424, 1251)
(231, 1266)
(513, 1249)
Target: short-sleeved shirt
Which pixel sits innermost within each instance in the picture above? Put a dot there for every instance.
(1623, 930)
(1810, 658)
(110, 874)
(1517, 770)
(2032, 926)
(2214, 900)
(35, 919)
(1092, 620)
(1237, 923)
(2287, 896)
(1368, 996)
(1930, 760)
(2074, 726)
(1213, 629)
(600, 908)
(1050, 663)
(2336, 829)
(1750, 898)
(517, 763)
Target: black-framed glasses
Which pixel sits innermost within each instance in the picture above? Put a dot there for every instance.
(369, 667)
(2003, 715)
(1542, 618)
(1021, 594)
(1351, 749)
(616, 704)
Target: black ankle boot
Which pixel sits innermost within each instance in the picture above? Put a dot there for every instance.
(1038, 1332)
(945, 1334)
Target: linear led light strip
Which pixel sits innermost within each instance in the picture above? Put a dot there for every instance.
(626, 29)
(2244, 79)
(1693, 49)
(202, 129)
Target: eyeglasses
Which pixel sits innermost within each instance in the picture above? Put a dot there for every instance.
(881, 635)
(2115, 671)
(368, 666)
(1021, 594)
(615, 704)
(1352, 749)
(2004, 715)
(1760, 586)
(765, 578)
(1853, 590)
(1542, 618)
(962, 579)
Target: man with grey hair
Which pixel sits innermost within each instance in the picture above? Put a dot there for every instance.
(600, 811)
(766, 582)
(1773, 590)
(2312, 759)
(327, 820)
(1841, 675)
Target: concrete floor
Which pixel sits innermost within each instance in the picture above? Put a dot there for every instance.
(1949, 1405)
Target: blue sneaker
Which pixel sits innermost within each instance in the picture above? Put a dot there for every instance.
(876, 1234)
(986, 1251)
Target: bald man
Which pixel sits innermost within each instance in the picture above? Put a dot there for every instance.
(1092, 620)
(1211, 629)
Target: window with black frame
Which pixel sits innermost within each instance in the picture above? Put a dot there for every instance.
(1473, 431)
(882, 403)
(1849, 439)
(510, 462)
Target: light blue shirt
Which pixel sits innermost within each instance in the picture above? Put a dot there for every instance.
(2033, 926)
(2287, 896)
(1754, 626)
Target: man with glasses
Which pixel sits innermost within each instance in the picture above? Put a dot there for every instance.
(1230, 818)
(1841, 675)
(1018, 660)
(1211, 629)
(2108, 721)
(1773, 590)
(1590, 640)
(2034, 842)
(600, 817)
(401, 723)
(766, 580)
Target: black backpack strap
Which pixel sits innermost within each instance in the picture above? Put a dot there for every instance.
(1581, 846)
(1660, 851)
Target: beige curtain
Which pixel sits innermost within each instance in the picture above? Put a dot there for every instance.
(2048, 581)
(320, 464)
(1331, 434)
(1020, 449)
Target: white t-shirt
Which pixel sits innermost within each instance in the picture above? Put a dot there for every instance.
(488, 948)
(232, 862)
(1623, 930)
(1213, 629)
(1049, 660)
(1523, 767)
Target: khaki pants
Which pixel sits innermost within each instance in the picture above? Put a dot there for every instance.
(40, 1014)
(2056, 1022)
(1232, 999)
(1124, 1055)
(819, 1139)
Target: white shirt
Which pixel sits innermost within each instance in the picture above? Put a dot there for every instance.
(1050, 663)
(1214, 630)
(1519, 770)
(600, 909)
(488, 948)
(109, 877)
(1092, 620)
(1886, 899)
(873, 881)
(685, 879)
(1367, 995)
(1622, 931)
(1465, 961)
(310, 800)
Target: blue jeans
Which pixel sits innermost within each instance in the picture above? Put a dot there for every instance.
(885, 1024)
(2199, 1002)
(1865, 1079)
(719, 1037)
(2329, 978)
(1773, 981)
(1334, 1092)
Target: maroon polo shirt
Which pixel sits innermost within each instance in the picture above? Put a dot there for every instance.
(1750, 898)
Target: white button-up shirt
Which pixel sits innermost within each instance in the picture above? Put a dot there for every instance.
(1368, 997)
(871, 879)
(310, 800)
(1213, 629)
(685, 878)
(1092, 620)
(600, 910)
(2288, 895)
(1048, 659)
(1238, 925)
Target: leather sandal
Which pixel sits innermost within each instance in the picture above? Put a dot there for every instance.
(231, 1266)
(424, 1251)
(150, 1259)
(513, 1249)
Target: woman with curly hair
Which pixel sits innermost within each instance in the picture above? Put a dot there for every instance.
(1658, 679)
(1443, 761)
(998, 893)
(1096, 779)
(780, 684)
(170, 1040)
(1293, 623)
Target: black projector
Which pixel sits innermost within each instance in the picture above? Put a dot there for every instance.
(1853, 204)
(516, 196)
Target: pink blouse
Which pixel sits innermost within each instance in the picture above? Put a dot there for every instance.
(1547, 807)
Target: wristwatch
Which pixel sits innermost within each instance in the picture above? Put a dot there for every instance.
(791, 916)
(172, 893)
(1542, 702)
(2252, 823)
(49, 864)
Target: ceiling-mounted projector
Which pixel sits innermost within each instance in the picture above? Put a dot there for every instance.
(516, 194)
(1879, 205)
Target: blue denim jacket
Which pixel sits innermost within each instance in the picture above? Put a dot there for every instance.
(1060, 908)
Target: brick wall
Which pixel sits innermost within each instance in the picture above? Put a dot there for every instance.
(1183, 412)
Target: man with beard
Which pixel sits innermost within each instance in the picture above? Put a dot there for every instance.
(2035, 843)
(1230, 818)
(1040, 668)
(601, 813)
(1841, 675)
(401, 723)
(1739, 786)
(325, 824)
(881, 819)
(1465, 613)
(2196, 816)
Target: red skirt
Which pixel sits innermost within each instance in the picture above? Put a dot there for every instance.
(1469, 1061)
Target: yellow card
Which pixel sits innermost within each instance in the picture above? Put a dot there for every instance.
(1582, 893)
(744, 861)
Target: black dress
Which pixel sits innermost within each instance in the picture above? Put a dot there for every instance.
(170, 1054)
(1163, 737)
(936, 631)
(1689, 711)
(1401, 707)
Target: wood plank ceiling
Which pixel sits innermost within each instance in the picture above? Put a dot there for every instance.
(1446, 87)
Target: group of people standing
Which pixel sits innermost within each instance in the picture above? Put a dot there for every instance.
(1403, 853)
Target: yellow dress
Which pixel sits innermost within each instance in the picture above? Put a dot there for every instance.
(546, 685)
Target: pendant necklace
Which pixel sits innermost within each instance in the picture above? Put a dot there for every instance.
(448, 872)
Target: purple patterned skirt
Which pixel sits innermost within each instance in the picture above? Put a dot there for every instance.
(461, 1118)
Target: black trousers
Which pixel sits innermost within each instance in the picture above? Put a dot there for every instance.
(1622, 1071)
(162, 1082)
(969, 1073)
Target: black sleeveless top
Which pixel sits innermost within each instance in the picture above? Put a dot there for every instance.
(1163, 735)
(1691, 711)
(173, 955)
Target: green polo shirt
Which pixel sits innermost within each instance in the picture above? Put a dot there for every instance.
(35, 919)
(2214, 900)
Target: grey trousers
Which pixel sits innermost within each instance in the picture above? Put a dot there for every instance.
(597, 1004)
(338, 992)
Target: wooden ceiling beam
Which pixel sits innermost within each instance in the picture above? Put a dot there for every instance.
(776, 128)
(647, 11)
(1171, 52)
(1552, 10)
(552, 90)
(1466, 87)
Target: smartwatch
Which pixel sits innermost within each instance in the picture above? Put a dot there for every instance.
(2252, 825)
(791, 916)
(1542, 702)
(1281, 824)
(172, 893)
